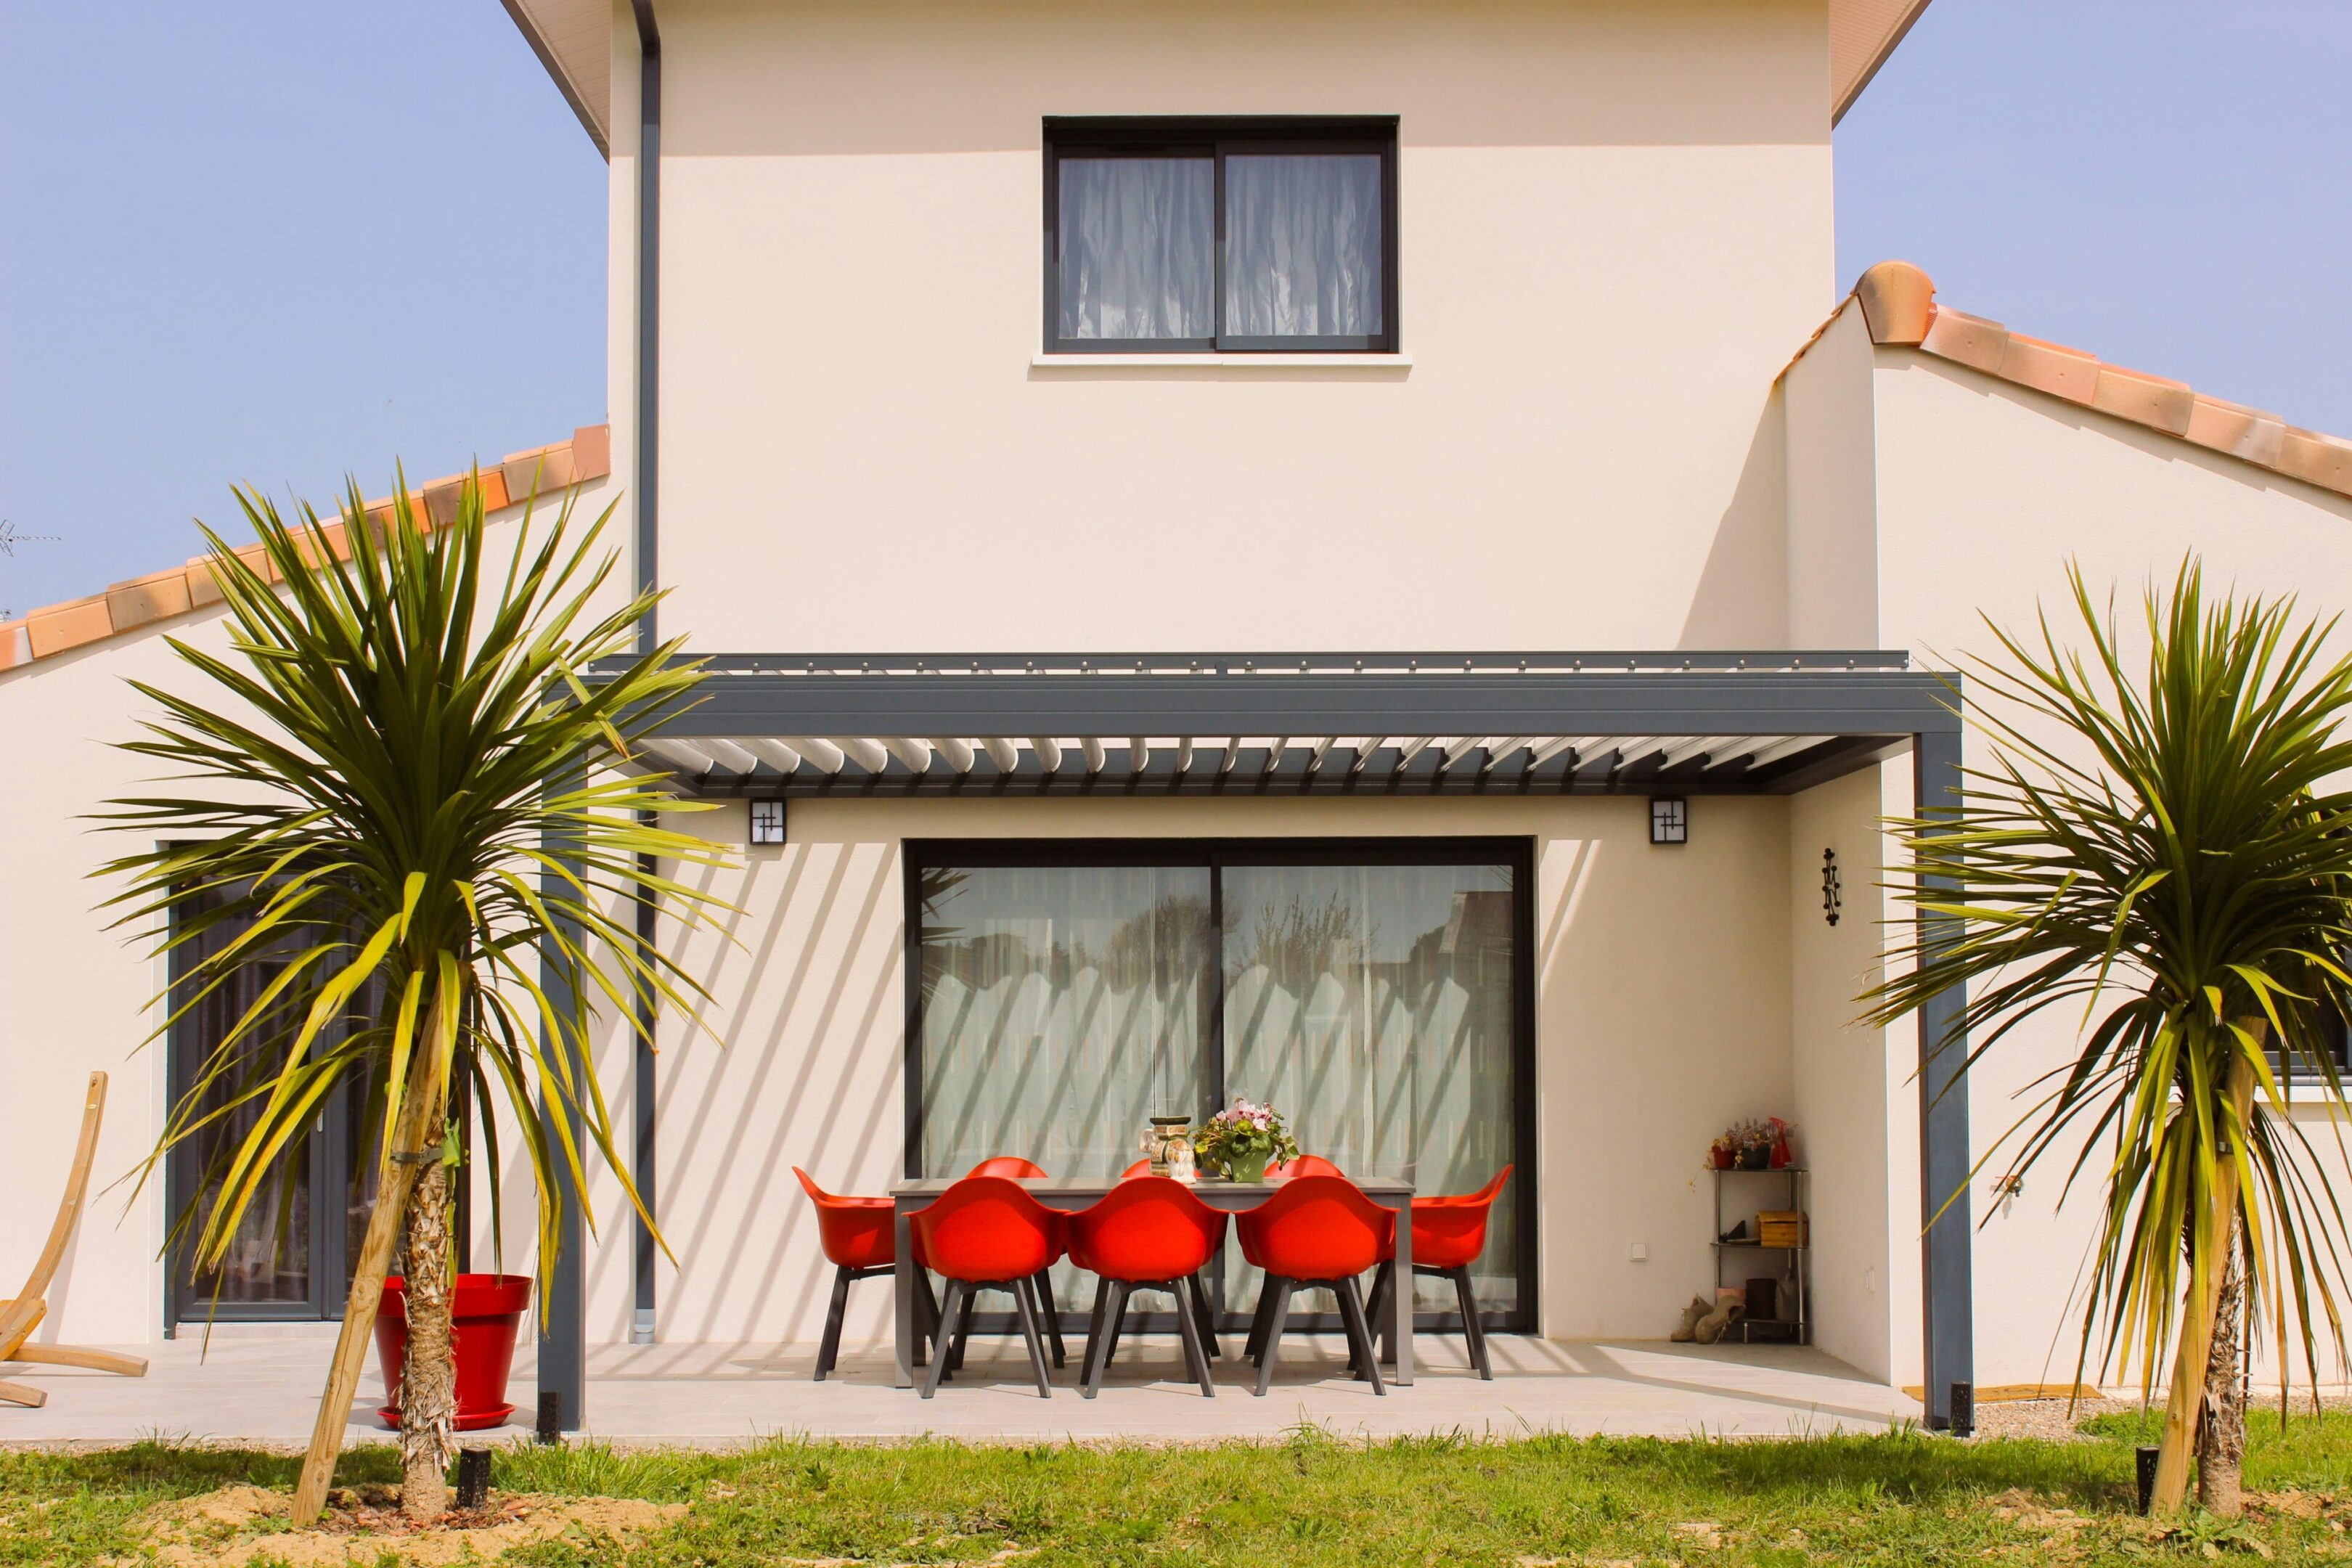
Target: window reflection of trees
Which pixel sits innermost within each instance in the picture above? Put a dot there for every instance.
(1374, 1005)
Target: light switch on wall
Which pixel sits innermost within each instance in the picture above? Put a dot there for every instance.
(1637, 1252)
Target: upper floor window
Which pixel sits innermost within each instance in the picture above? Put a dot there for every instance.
(1196, 235)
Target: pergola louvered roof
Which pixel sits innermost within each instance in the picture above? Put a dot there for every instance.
(1431, 723)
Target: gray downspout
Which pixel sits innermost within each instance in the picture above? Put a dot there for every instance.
(641, 1322)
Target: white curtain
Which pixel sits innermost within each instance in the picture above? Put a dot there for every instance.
(1302, 245)
(1137, 247)
(1372, 1004)
(1062, 1009)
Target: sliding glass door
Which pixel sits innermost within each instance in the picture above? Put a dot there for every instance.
(1375, 991)
(291, 1257)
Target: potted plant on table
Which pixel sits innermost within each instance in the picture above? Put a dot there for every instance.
(1239, 1142)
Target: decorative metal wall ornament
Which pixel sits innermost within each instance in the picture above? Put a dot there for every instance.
(1832, 890)
(768, 821)
(1669, 819)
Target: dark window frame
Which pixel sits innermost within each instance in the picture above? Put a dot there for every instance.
(1216, 138)
(2303, 1073)
(917, 855)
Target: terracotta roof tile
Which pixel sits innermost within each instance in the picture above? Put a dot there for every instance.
(68, 626)
(2239, 431)
(1897, 303)
(1972, 339)
(151, 598)
(2052, 368)
(161, 595)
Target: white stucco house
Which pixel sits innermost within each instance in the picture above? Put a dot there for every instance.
(1232, 530)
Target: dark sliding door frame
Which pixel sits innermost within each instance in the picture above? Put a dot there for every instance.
(1216, 855)
(328, 1152)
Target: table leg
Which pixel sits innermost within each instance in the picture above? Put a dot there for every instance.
(1401, 1298)
(902, 1287)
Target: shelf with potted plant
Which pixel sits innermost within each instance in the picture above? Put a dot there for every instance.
(1765, 1148)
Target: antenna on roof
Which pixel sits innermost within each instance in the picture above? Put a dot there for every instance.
(9, 539)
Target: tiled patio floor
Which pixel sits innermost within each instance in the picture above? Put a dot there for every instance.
(265, 1389)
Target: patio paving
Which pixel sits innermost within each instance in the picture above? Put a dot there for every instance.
(264, 1389)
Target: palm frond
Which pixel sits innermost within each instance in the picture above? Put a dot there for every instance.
(369, 782)
(2160, 855)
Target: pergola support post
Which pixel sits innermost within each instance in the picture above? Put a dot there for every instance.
(1946, 1266)
(563, 1327)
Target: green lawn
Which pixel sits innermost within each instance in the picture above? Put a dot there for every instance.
(1312, 1501)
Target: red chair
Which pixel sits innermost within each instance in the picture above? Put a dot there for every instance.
(986, 1232)
(1317, 1231)
(858, 1240)
(1304, 1165)
(1141, 1168)
(1149, 1234)
(1013, 1167)
(1448, 1234)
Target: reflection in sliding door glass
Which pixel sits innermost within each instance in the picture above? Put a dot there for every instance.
(1062, 1008)
(1372, 1004)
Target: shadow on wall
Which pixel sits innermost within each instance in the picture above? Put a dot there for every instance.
(1742, 598)
(813, 994)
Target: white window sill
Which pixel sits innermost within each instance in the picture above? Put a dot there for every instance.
(1221, 362)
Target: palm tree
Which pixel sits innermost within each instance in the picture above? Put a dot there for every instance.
(2165, 857)
(402, 731)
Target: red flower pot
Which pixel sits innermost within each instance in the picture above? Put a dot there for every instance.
(487, 1310)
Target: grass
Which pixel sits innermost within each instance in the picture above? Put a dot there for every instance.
(1309, 1501)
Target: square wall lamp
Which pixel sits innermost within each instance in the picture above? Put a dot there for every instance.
(1669, 819)
(768, 821)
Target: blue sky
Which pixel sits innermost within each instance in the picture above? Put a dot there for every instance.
(274, 241)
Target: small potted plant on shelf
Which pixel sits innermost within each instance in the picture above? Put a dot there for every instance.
(1238, 1143)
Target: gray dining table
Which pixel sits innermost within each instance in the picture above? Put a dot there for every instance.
(1395, 1331)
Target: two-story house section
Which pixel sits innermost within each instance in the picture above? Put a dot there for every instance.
(1345, 552)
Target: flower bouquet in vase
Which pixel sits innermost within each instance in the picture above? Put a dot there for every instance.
(1239, 1142)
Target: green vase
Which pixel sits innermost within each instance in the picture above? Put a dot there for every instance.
(1246, 1167)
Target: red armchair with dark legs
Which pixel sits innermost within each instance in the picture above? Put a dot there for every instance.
(1013, 1167)
(1448, 1234)
(858, 1241)
(1317, 1231)
(1149, 1234)
(986, 1232)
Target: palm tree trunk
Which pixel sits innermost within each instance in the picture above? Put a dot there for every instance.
(418, 1129)
(2221, 1436)
(428, 1378)
(2202, 1303)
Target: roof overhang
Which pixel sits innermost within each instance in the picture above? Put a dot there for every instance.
(1438, 723)
(573, 39)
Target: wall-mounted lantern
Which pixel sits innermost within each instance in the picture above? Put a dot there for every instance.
(1832, 890)
(1669, 819)
(768, 821)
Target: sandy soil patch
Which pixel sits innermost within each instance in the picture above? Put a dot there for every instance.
(243, 1524)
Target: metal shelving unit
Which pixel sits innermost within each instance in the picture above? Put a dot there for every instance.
(1792, 1261)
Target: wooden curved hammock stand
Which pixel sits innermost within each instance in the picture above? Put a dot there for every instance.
(20, 1316)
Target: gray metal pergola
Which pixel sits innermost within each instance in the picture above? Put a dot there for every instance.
(1473, 723)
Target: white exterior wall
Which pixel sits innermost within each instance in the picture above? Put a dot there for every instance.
(73, 995)
(1851, 1084)
(1615, 225)
(1832, 563)
(1662, 1014)
(1985, 492)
